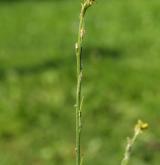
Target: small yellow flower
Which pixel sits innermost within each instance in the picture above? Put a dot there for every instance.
(141, 125)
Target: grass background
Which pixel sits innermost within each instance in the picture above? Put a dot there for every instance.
(38, 82)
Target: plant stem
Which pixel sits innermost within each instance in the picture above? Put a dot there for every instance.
(79, 101)
(139, 127)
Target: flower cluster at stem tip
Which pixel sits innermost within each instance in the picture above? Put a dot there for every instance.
(89, 2)
(141, 126)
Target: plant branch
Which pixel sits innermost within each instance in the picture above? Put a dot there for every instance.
(79, 100)
(140, 126)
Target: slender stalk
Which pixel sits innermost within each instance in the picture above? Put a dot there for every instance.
(140, 126)
(79, 100)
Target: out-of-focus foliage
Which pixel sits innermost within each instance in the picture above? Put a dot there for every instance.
(37, 81)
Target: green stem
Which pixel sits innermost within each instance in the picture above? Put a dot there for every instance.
(139, 127)
(129, 148)
(85, 5)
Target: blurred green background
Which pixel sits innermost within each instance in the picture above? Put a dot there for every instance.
(38, 81)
